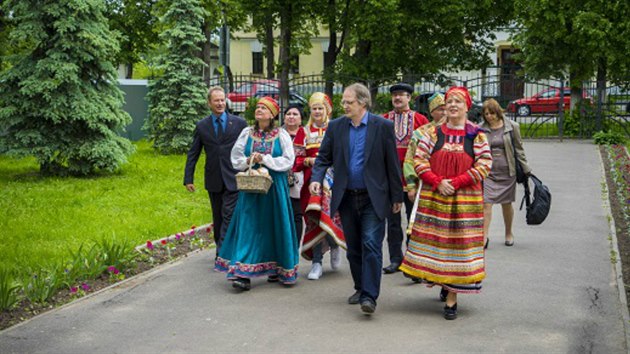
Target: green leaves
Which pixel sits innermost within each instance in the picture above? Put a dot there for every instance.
(177, 99)
(59, 101)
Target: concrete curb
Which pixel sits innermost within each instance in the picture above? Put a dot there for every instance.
(617, 265)
(139, 278)
(196, 230)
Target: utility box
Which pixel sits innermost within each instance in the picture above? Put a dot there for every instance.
(136, 105)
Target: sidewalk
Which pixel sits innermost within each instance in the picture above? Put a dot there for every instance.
(554, 291)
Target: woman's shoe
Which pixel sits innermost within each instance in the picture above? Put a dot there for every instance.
(241, 284)
(273, 278)
(485, 247)
(450, 313)
(509, 243)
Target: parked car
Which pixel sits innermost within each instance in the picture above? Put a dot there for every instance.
(238, 98)
(545, 101)
(294, 97)
(616, 96)
(422, 106)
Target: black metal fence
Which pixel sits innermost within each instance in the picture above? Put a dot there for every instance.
(543, 108)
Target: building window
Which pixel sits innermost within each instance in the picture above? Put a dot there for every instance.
(257, 62)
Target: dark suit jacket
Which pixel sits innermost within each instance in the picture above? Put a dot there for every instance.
(219, 170)
(381, 171)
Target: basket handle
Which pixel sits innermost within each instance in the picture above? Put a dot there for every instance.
(251, 164)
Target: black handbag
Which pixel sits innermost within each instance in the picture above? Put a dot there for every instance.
(521, 177)
(539, 207)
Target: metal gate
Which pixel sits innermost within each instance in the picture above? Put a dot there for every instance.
(540, 107)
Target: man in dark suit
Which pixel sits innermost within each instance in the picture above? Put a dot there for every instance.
(216, 134)
(361, 147)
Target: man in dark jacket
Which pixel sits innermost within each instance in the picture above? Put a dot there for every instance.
(216, 134)
(361, 147)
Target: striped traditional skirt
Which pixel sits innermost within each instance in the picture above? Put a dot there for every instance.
(446, 242)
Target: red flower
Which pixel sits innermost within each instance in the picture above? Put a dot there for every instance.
(163, 242)
(193, 227)
(73, 290)
(150, 245)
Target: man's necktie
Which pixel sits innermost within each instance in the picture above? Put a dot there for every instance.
(219, 128)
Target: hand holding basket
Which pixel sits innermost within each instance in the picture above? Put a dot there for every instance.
(251, 181)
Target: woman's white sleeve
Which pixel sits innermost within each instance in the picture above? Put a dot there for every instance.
(284, 162)
(238, 158)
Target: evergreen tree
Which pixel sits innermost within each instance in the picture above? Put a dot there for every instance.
(178, 98)
(60, 101)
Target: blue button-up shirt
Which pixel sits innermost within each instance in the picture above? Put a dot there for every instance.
(223, 118)
(356, 140)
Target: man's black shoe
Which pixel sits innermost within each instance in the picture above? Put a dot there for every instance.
(392, 268)
(368, 306)
(354, 299)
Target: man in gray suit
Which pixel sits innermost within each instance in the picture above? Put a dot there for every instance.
(216, 134)
(361, 147)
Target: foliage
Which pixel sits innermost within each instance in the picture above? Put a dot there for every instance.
(119, 254)
(47, 219)
(383, 103)
(571, 38)
(620, 173)
(40, 285)
(8, 290)
(177, 99)
(609, 138)
(392, 37)
(60, 102)
(136, 22)
(250, 110)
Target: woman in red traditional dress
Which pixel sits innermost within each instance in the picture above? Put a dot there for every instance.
(323, 231)
(446, 246)
(293, 125)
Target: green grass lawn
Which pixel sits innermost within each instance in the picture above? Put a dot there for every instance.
(42, 219)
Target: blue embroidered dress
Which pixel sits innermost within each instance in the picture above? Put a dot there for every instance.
(261, 240)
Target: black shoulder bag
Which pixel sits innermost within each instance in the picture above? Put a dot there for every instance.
(521, 177)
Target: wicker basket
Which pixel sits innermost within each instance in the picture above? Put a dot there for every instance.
(253, 183)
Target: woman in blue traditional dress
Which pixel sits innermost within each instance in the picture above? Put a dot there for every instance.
(261, 240)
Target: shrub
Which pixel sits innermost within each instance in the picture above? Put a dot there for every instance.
(609, 138)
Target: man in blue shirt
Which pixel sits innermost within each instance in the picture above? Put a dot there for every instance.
(361, 147)
(216, 134)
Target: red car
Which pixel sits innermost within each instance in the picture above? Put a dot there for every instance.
(546, 101)
(238, 98)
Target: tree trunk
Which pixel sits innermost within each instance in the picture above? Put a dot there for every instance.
(285, 53)
(576, 91)
(206, 52)
(602, 72)
(129, 74)
(330, 57)
(269, 52)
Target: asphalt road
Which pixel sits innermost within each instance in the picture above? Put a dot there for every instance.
(555, 291)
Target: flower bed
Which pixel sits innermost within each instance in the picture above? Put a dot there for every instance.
(90, 270)
(617, 169)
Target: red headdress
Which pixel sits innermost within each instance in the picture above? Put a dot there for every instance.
(460, 91)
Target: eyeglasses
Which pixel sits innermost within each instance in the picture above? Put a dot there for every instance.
(347, 103)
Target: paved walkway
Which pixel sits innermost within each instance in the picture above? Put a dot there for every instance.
(554, 291)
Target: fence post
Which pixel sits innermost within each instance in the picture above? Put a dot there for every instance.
(561, 110)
